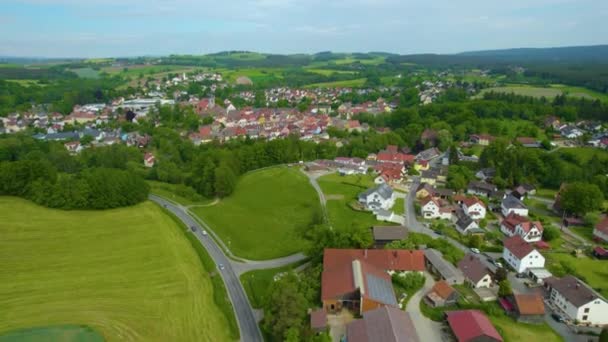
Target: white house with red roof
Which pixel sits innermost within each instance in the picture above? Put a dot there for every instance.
(433, 208)
(521, 255)
(530, 231)
(600, 232)
(474, 208)
(149, 159)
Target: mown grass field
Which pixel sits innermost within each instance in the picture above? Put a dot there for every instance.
(264, 216)
(523, 90)
(358, 82)
(147, 70)
(581, 92)
(512, 331)
(86, 72)
(128, 273)
(340, 191)
(64, 333)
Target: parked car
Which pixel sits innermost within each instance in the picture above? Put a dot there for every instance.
(520, 275)
(475, 250)
(557, 317)
(497, 264)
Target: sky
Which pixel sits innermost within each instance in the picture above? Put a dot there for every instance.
(120, 28)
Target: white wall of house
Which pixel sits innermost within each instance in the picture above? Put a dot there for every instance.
(534, 235)
(430, 210)
(475, 211)
(533, 260)
(507, 211)
(594, 312)
(486, 281)
(600, 235)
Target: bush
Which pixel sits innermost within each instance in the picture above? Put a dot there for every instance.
(550, 233)
(410, 281)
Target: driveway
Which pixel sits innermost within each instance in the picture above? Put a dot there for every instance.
(427, 329)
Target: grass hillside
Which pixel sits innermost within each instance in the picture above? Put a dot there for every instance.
(130, 274)
(261, 219)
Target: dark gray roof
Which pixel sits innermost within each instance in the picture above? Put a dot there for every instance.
(444, 267)
(389, 232)
(444, 192)
(473, 268)
(574, 290)
(511, 202)
(482, 186)
(386, 324)
(380, 290)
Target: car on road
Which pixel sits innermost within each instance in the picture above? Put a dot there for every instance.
(438, 232)
(557, 317)
(193, 228)
(221, 267)
(475, 250)
(204, 232)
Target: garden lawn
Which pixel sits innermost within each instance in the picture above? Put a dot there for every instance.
(593, 270)
(266, 214)
(130, 274)
(513, 331)
(342, 190)
(399, 206)
(256, 283)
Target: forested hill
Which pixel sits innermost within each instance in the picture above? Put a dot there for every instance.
(596, 53)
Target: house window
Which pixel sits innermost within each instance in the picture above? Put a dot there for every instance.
(587, 310)
(585, 318)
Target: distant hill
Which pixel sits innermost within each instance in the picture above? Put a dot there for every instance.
(595, 53)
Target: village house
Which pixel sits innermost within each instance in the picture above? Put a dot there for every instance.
(530, 231)
(432, 208)
(474, 208)
(529, 308)
(360, 279)
(481, 189)
(472, 326)
(149, 159)
(386, 324)
(521, 255)
(428, 154)
(437, 265)
(425, 190)
(528, 142)
(481, 139)
(429, 176)
(442, 294)
(386, 234)
(465, 224)
(73, 146)
(318, 321)
(380, 197)
(576, 300)
(476, 273)
(486, 174)
(600, 232)
(511, 204)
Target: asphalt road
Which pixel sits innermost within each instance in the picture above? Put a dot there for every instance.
(248, 326)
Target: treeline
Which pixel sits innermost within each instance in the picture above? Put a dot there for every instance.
(213, 169)
(516, 165)
(41, 73)
(46, 174)
(62, 95)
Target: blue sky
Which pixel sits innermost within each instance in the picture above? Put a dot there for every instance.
(105, 28)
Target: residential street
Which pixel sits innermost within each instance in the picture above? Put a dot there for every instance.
(427, 329)
(248, 325)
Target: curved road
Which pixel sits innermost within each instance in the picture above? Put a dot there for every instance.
(245, 317)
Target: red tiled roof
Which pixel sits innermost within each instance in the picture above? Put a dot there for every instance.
(472, 200)
(602, 226)
(442, 289)
(385, 259)
(468, 325)
(512, 220)
(518, 246)
(530, 304)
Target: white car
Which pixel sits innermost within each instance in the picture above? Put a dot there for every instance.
(205, 232)
(475, 250)
(221, 267)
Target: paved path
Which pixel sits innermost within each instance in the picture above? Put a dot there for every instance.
(245, 317)
(427, 329)
(312, 178)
